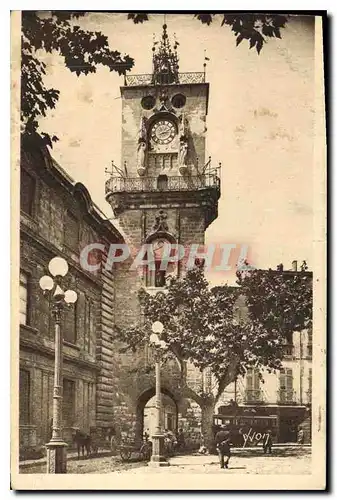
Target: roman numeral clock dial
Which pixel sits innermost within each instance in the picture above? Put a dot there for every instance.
(163, 132)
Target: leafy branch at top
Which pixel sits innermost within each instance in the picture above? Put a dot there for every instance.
(255, 28)
(82, 52)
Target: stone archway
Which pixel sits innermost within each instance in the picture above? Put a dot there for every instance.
(144, 398)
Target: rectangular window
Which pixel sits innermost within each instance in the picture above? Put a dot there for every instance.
(253, 392)
(253, 379)
(286, 379)
(24, 397)
(71, 232)
(286, 392)
(27, 192)
(70, 324)
(24, 298)
(68, 402)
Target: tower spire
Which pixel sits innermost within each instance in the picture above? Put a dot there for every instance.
(165, 60)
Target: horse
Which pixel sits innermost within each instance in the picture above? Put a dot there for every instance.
(83, 441)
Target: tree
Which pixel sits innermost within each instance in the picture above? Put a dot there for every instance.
(201, 326)
(82, 52)
(255, 28)
(287, 299)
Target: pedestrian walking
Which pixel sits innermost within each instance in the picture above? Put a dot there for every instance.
(222, 441)
(267, 442)
(300, 436)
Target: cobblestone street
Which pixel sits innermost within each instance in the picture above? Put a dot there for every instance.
(283, 461)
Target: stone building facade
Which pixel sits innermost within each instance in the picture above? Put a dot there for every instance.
(58, 218)
(282, 400)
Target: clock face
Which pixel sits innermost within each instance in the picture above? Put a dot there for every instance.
(163, 132)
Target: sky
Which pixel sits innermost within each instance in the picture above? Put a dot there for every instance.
(260, 126)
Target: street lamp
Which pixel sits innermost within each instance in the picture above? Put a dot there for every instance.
(56, 448)
(158, 458)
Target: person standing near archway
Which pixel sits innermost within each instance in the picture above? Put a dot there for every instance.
(222, 440)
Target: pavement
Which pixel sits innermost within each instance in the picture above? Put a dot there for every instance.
(290, 460)
(247, 464)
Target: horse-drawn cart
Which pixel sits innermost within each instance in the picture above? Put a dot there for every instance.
(129, 450)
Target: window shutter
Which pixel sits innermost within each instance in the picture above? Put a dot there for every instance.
(282, 380)
(289, 379)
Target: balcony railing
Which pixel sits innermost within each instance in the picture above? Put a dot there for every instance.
(153, 184)
(253, 396)
(149, 79)
(286, 396)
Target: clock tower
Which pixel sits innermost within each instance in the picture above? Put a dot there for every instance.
(165, 188)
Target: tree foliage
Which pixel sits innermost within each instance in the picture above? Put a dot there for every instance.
(255, 28)
(138, 17)
(201, 326)
(82, 52)
(279, 300)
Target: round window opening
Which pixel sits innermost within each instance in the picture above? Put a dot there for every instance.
(148, 102)
(178, 100)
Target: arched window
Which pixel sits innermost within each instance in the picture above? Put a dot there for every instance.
(157, 277)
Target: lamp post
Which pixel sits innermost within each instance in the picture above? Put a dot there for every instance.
(158, 458)
(56, 448)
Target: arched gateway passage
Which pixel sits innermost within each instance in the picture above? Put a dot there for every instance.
(178, 412)
(146, 408)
